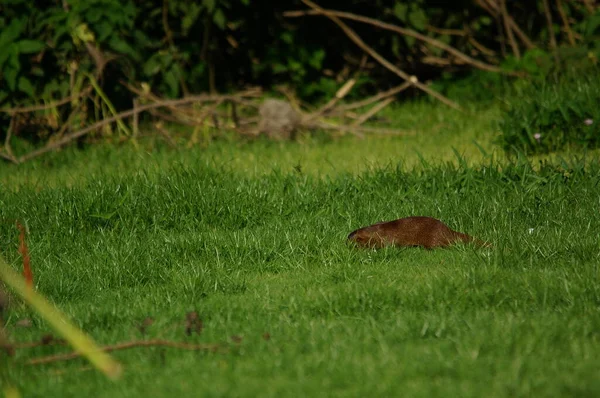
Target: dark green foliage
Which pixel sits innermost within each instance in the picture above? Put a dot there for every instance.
(550, 115)
(178, 46)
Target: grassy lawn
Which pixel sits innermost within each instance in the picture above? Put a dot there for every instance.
(252, 237)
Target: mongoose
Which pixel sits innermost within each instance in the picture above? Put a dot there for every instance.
(426, 232)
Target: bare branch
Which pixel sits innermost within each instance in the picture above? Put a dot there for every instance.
(374, 54)
(373, 111)
(492, 8)
(125, 346)
(70, 137)
(508, 30)
(550, 24)
(375, 98)
(51, 105)
(565, 22)
(403, 31)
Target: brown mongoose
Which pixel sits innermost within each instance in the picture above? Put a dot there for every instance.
(426, 232)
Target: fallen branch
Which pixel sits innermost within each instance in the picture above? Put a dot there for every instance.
(51, 105)
(376, 98)
(9, 155)
(165, 103)
(125, 346)
(403, 31)
(373, 111)
(374, 54)
(341, 93)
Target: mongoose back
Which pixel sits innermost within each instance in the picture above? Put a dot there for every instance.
(426, 232)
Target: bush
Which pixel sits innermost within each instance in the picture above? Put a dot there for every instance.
(553, 114)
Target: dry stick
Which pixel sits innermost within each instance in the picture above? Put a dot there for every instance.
(565, 21)
(589, 5)
(70, 137)
(234, 115)
(67, 123)
(165, 134)
(508, 30)
(170, 118)
(51, 105)
(375, 98)
(443, 31)
(549, 23)
(127, 345)
(362, 129)
(150, 96)
(360, 43)
(7, 147)
(341, 93)
(481, 47)
(373, 111)
(136, 129)
(403, 31)
(491, 7)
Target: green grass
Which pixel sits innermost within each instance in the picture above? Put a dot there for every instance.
(268, 254)
(256, 245)
(437, 132)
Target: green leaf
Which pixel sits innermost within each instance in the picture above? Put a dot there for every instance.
(11, 71)
(104, 30)
(172, 83)
(219, 18)
(30, 46)
(9, 34)
(3, 96)
(485, 20)
(189, 18)
(209, 5)
(6, 53)
(418, 19)
(316, 61)
(400, 11)
(121, 46)
(153, 65)
(25, 86)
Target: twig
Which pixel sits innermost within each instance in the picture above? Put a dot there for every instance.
(234, 115)
(170, 118)
(375, 98)
(362, 129)
(363, 118)
(492, 8)
(374, 54)
(508, 30)
(481, 47)
(125, 346)
(51, 105)
(565, 22)
(136, 118)
(550, 24)
(70, 137)
(403, 31)
(341, 93)
(443, 31)
(165, 134)
(7, 147)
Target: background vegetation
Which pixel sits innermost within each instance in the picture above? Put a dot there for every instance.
(89, 49)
